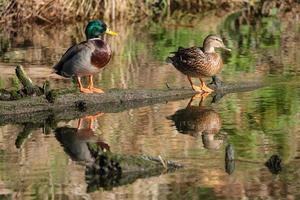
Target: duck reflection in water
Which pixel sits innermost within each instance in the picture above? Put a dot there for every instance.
(75, 140)
(199, 121)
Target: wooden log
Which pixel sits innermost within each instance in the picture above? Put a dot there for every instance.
(75, 105)
(39, 103)
(127, 170)
(23, 78)
(29, 89)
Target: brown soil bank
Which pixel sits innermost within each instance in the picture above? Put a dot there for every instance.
(51, 11)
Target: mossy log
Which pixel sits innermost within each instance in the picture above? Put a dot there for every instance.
(109, 170)
(128, 169)
(38, 103)
(28, 89)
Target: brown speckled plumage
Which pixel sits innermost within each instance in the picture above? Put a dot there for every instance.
(196, 120)
(199, 62)
(199, 122)
(194, 62)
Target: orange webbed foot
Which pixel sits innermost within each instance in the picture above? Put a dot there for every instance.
(96, 90)
(85, 90)
(197, 89)
(204, 88)
(201, 96)
(98, 114)
(207, 89)
(92, 88)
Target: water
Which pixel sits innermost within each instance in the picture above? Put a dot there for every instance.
(258, 124)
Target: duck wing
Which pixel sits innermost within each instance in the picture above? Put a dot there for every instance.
(187, 56)
(69, 55)
(190, 55)
(73, 145)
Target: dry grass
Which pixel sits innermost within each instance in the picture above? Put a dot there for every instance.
(51, 11)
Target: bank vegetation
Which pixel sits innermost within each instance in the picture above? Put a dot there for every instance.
(53, 11)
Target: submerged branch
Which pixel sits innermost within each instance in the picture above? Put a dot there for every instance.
(104, 169)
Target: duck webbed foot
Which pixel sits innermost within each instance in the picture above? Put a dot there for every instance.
(204, 87)
(81, 88)
(91, 86)
(197, 88)
(90, 118)
(85, 90)
(201, 96)
(95, 90)
(194, 87)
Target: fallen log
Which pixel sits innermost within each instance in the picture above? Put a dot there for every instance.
(39, 103)
(76, 105)
(131, 168)
(29, 89)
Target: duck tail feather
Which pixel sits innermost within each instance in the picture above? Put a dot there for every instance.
(58, 68)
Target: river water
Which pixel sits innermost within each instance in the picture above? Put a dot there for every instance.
(257, 124)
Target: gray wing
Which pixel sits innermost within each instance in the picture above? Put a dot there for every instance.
(75, 58)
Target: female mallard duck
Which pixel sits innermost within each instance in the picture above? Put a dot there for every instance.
(199, 121)
(199, 62)
(88, 57)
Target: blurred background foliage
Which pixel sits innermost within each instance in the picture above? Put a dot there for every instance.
(264, 36)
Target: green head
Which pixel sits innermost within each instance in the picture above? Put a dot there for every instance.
(96, 28)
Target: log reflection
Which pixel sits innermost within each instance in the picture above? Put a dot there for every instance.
(103, 168)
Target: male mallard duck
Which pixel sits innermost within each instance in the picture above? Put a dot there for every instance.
(88, 57)
(75, 140)
(199, 61)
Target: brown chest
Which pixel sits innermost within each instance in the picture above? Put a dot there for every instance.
(214, 64)
(101, 55)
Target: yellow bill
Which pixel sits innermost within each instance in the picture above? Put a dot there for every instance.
(108, 31)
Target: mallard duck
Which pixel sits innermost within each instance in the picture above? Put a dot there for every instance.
(88, 57)
(199, 62)
(75, 140)
(199, 121)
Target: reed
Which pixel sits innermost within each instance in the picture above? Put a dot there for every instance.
(51, 11)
